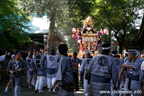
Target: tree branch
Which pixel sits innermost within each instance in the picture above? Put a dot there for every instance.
(132, 13)
(123, 7)
(108, 17)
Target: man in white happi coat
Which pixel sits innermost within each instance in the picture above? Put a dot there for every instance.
(52, 68)
(100, 72)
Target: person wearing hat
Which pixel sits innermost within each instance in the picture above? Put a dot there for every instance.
(118, 63)
(12, 56)
(132, 69)
(17, 67)
(83, 67)
(32, 72)
(100, 72)
(64, 76)
(52, 68)
(10, 76)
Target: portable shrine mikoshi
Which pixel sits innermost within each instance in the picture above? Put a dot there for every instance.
(88, 37)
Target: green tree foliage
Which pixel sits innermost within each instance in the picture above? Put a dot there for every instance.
(56, 11)
(116, 15)
(80, 10)
(61, 14)
(12, 25)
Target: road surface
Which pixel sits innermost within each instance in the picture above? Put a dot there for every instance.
(26, 92)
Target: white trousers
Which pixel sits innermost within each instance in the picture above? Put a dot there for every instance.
(121, 83)
(85, 84)
(28, 78)
(39, 83)
(17, 90)
(50, 81)
(45, 80)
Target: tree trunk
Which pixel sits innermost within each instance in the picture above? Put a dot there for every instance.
(51, 31)
(109, 38)
(121, 47)
(121, 40)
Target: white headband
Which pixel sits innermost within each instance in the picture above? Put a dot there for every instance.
(105, 48)
(132, 52)
(114, 54)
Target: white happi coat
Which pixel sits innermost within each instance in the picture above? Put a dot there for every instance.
(100, 72)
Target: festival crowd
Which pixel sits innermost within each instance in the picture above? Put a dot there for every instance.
(106, 74)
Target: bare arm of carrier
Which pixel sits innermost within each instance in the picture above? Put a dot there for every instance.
(121, 73)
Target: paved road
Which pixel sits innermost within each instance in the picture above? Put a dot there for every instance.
(27, 92)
